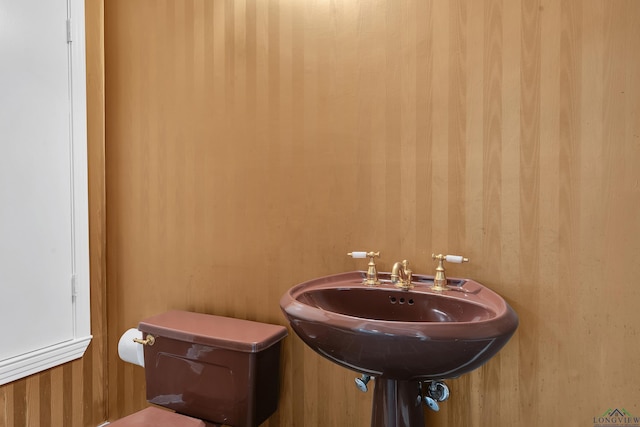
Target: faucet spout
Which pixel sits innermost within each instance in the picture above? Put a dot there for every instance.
(401, 275)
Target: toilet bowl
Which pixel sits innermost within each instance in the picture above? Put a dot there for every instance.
(210, 370)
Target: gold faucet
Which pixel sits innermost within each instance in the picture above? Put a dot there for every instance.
(440, 280)
(401, 275)
(372, 272)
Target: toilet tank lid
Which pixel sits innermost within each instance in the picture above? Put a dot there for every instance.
(219, 331)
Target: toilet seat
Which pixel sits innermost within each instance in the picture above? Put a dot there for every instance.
(155, 417)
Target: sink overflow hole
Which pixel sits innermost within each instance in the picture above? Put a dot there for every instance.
(402, 300)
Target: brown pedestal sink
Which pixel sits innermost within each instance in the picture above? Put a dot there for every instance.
(401, 337)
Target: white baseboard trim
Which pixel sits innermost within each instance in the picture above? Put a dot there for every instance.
(19, 367)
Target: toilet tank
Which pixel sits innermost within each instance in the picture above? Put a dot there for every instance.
(219, 369)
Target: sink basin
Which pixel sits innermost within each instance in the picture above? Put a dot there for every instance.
(415, 334)
(394, 305)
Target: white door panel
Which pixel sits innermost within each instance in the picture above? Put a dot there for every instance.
(37, 242)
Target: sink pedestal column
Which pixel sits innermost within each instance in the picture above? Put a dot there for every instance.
(396, 404)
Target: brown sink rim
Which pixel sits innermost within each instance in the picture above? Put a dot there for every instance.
(468, 292)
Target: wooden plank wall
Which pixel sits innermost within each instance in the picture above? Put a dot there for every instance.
(251, 144)
(75, 394)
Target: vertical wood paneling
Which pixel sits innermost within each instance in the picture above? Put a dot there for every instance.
(457, 132)
(620, 151)
(491, 181)
(20, 403)
(251, 144)
(75, 394)
(439, 154)
(528, 210)
(423, 126)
